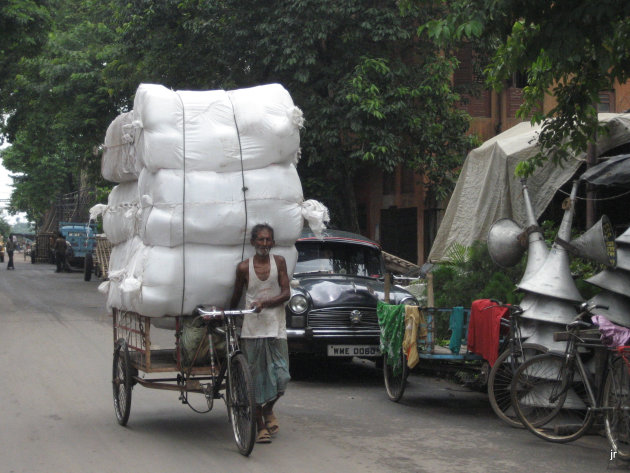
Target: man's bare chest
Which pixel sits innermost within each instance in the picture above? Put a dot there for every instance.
(262, 270)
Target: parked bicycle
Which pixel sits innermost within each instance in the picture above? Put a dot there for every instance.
(513, 353)
(558, 395)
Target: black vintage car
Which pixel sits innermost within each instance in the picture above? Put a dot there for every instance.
(336, 284)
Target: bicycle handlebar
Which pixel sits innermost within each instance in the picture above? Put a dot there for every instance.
(514, 309)
(217, 314)
(587, 308)
(579, 323)
(586, 311)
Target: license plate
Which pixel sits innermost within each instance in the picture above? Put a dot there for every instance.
(354, 350)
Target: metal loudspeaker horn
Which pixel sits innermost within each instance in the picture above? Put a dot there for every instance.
(505, 242)
(553, 278)
(596, 244)
(537, 250)
(508, 241)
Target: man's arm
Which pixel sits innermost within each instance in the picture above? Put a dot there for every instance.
(285, 289)
(239, 284)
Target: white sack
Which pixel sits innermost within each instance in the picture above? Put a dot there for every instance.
(316, 214)
(155, 277)
(119, 260)
(119, 163)
(215, 129)
(121, 216)
(216, 211)
(193, 150)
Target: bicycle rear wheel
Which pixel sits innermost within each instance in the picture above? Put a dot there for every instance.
(122, 382)
(395, 380)
(617, 397)
(500, 380)
(240, 403)
(551, 409)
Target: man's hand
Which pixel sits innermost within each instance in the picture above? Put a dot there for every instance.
(257, 306)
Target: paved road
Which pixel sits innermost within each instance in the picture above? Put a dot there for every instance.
(56, 411)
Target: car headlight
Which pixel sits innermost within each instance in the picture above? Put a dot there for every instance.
(298, 304)
(409, 301)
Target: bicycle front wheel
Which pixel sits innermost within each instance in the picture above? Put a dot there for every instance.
(240, 403)
(500, 380)
(395, 380)
(551, 399)
(617, 398)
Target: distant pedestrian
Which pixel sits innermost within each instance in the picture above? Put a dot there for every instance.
(10, 250)
(51, 250)
(61, 248)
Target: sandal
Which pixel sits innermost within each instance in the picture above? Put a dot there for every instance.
(263, 436)
(272, 424)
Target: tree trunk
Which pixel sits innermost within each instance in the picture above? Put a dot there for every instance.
(350, 201)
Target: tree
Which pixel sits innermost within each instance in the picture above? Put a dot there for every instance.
(24, 25)
(570, 49)
(372, 92)
(5, 227)
(58, 108)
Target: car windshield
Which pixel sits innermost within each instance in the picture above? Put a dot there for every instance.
(338, 258)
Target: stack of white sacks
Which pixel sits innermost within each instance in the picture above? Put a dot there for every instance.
(196, 171)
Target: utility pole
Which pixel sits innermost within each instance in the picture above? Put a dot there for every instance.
(591, 160)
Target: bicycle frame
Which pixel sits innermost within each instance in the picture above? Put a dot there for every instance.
(229, 331)
(571, 360)
(514, 340)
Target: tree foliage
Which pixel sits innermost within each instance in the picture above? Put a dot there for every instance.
(5, 227)
(58, 107)
(464, 280)
(570, 49)
(373, 92)
(24, 25)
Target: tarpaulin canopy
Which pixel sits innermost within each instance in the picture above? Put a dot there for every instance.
(488, 190)
(613, 172)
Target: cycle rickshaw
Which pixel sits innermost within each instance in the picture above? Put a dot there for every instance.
(511, 352)
(215, 369)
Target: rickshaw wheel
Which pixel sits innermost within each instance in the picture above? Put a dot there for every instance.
(395, 383)
(240, 404)
(88, 266)
(122, 381)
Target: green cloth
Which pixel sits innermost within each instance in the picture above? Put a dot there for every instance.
(268, 360)
(456, 324)
(194, 341)
(391, 319)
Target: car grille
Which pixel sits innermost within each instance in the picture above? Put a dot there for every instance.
(339, 317)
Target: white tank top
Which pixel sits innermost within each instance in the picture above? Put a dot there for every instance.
(271, 321)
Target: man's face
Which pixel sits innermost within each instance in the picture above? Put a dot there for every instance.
(263, 242)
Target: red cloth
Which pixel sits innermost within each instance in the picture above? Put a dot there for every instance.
(484, 328)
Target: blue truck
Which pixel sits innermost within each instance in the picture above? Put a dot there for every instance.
(81, 237)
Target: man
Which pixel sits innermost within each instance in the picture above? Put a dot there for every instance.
(264, 334)
(10, 250)
(60, 253)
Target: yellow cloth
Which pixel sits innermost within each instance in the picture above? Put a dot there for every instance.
(415, 327)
